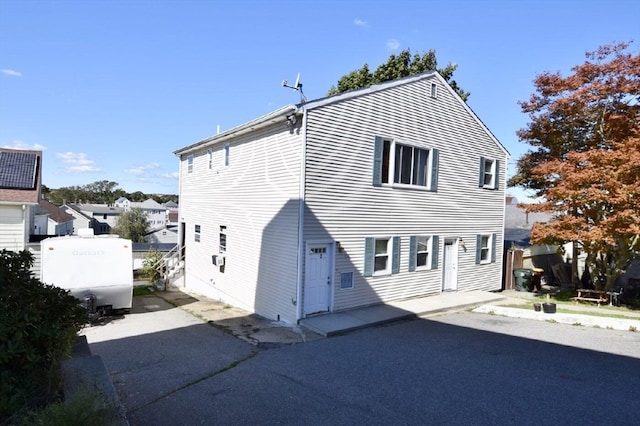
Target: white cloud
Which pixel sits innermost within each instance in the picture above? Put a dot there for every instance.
(172, 175)
(360, 22)
(77, 162)
(393, 44)
(25, 146)
(11, 73)
(140, 170)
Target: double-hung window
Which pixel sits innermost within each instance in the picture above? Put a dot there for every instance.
(382, 256)
(223, 239)
(196, 236)
(403, 164)
(227, 154)
(489, 172)
(190, 164)
(485, 248)
(423, 252)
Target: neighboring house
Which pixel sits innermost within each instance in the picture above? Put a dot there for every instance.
(385, 193)
(103, 217)
(520, 253)
(123, 202)
(162, 236)
(40, 221)
(156, 212)
(172, 219)
(20, 183)
(171, 206)
(59, 222)
(80, 219)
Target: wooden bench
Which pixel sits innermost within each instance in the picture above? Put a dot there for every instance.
(588, 295)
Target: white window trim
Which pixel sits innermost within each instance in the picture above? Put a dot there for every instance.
(429, 253)
(492, 183)
(488, 248)
(434, 90)
(190, 163)
(223, 231)
(227, 155)
(389, 254)
(392, 167)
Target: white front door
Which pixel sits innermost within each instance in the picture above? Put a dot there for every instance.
(450, 278)
(317, 279)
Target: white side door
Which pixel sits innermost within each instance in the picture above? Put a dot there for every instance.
(317, 279)
(450, 278)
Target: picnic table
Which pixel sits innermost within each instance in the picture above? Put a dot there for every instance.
(589, 295)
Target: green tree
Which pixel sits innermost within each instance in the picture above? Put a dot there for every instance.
(133, 225)
(585, 164)
(103, 191)
(152, 265)
(397, 66)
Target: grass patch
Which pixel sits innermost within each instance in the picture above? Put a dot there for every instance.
(84, 408)
(142, 290)
(606, 312)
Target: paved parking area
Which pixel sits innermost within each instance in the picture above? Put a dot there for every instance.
(455, 368)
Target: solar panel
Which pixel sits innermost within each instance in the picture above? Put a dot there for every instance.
(18, 170)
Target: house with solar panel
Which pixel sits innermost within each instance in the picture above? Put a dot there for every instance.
(20, 184)
(381, 194)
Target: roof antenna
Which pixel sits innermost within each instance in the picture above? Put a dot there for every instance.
(297, 87)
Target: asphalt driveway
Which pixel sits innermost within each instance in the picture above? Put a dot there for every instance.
(458, 368)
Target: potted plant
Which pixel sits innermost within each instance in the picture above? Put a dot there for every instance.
(537, 306)
(548, 307)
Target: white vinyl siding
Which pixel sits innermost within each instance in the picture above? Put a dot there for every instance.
(343, 205)
(13, 232)
(256, 199)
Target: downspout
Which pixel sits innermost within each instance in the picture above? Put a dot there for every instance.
(301, 206)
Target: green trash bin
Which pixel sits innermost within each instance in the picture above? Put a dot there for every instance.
(523, 277)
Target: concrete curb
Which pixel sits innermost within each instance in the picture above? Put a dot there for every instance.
(564, 318)
(85, 372)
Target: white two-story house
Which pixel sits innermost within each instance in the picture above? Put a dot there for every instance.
(386, 193)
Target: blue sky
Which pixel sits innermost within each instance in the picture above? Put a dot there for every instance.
(109, 89)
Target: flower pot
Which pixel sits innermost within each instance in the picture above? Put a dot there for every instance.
(549, 308)
(537, 307)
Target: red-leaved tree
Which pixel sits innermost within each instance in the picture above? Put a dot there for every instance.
(585, 129)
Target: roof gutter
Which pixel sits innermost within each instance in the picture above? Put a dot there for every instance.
(259, 123)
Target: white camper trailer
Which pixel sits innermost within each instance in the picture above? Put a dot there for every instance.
(96, 269)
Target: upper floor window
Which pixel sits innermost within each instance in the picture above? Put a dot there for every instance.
(488, 177)
(434, 90)
(401, 164)
(210, 158)
(227, 149)
(196, 237)
(190, 164)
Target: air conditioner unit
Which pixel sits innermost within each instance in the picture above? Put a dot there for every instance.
(218, 259)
